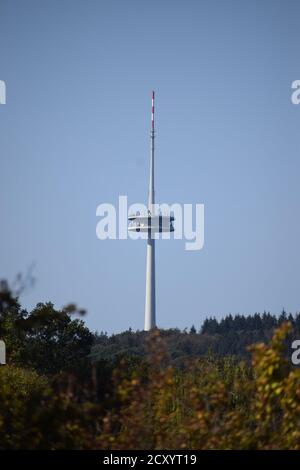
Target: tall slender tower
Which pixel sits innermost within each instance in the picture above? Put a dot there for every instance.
(150, 320)
(151, 224)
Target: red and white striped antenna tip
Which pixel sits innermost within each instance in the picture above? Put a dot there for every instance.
(152, 115)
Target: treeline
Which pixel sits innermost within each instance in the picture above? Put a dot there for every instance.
(257, 322)
(65, 387)
(229, 336)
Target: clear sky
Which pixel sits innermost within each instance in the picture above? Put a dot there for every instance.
(75, 133)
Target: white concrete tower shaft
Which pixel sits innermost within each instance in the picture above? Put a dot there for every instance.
(150, 314)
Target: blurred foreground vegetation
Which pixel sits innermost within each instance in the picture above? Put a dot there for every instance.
(67, 388)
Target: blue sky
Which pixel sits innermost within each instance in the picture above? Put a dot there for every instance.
(75, 133)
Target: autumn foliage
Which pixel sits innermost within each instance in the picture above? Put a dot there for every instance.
(212, 403)
(54, 395)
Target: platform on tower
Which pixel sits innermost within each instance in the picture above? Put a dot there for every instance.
(153, 223)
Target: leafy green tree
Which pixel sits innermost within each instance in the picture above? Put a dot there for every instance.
(54, 342)
(37, 415)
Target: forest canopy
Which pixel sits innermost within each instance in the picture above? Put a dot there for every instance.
(65, 387)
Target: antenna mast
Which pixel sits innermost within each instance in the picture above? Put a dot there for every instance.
(151, 196)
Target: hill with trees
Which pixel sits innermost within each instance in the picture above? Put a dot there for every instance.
(229, 336)
(65, 387)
